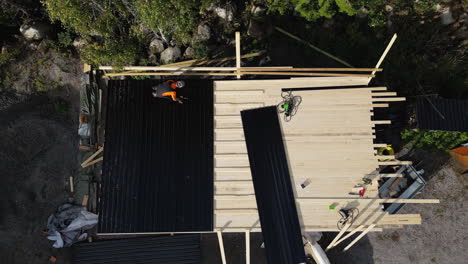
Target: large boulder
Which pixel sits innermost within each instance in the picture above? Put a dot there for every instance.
(203, 32)
(224, 13)
(259, 28)
(35, 31)
(258, 10)
(156, 46)
(170, 54)
(189, 53)
(79, 43)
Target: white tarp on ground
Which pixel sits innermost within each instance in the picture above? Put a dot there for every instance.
(67, 225)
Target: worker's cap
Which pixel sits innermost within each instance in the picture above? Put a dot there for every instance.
(180, 84)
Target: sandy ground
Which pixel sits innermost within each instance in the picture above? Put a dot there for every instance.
(441, 238)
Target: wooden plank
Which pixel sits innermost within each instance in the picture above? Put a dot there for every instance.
(381, 122)
(221, 246)
(307, 74)
(290, 83)
(238, 54)
(85, 200)
(340, 234)
(384, 94)
(380, 145)
(312, 69)
(395, 162)
(92, 156)
(359, 237)
(384, 54)
(390, 175)
(388, 99)
(93, 162)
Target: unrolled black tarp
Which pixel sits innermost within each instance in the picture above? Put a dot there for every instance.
(272, 183)
(158, 160)
(179, 249)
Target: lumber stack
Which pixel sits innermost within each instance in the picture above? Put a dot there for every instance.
(330, 144)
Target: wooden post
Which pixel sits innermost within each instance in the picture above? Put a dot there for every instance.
(247, 246)
(221, 246)
(384, 54)
(238, 54)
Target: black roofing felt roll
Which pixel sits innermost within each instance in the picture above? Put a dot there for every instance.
(442, 114)
(272, 183)
(158, 160)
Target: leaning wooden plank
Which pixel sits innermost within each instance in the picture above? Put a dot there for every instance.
(221, 246)
(340, 234)
(369, 228)
(93, 162)
(314, 47)
(92, 156)
(238, 54)
(384, 94)
(384, 54)
(357, 229)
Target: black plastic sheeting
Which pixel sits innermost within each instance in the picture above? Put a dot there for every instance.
(272, 183)
(158, 160)
(179, 249)
(451, 114)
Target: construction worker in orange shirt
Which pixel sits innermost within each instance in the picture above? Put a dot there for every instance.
(167, 89)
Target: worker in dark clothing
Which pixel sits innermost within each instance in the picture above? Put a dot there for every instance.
(168, 89)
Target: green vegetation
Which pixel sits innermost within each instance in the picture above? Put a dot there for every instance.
(173, 17)
(313, 10)
(443, 140)
(114, 28)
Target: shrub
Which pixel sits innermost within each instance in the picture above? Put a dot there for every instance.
(443, 140)
(111, 52)
(174, 17)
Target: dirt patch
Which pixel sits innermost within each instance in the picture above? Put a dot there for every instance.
(38, 155)
(439, 239)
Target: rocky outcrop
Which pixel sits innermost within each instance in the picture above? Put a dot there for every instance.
(170, 54)
(259, 28)
(189, 53)
(203, 32)
(156, 46)
(35, 31)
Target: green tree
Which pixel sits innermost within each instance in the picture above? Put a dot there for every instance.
(313, 9)
(172, 17)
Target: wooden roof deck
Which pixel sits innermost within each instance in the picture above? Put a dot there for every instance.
(330, 143)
